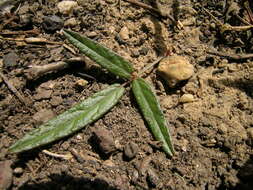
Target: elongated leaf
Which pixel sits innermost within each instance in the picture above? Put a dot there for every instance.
(71, 120)
(100, 54)
(152, 113)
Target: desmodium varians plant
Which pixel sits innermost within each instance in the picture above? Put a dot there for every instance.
(101, 102)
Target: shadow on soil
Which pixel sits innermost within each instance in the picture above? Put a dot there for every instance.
(245, 175)
(241, 84)
(67, 182)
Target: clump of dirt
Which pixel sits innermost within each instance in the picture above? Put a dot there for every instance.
(212, 134)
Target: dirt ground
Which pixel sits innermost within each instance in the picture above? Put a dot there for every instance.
(212, 136)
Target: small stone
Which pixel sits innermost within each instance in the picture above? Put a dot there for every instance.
(175, 69)
(52, 23)
(92, 34)
(66, 7)
(130, 150)
(5, 175)
(10, 60)
(124, 33)
(43, 115)
(81, 83)
(79, 137)
(213, 25)
(70, 22)
(105, 140)
(18, 171)
(222, 128)
(186, 98)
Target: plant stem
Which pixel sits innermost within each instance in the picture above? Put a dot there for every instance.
(150, 65)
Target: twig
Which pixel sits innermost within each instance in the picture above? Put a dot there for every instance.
(33, 31)
(36, 71)
(143, 5)
(227, 27)
(242, 20)
(150, 65)
(231, 56)
(87, 76)
(65, 157)
(69, 48)
(78, 157)
(13, 89)
(12, 17)
(152, 9)
(249, 12)
(32, 40)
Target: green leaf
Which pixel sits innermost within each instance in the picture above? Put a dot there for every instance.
(71, 120)
(152, 113)
(100, 54)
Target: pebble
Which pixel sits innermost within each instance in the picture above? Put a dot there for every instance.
(10, 60)
(5, 175)
(186, 98)
(105, 140)
(18, 171)
(124, 33)
(81, 83)
(70, 22)
(91, 34)
(52, 23)
(175, 69)
(43, 115)
(66, 7)
(130, 150)
(213, 25)
(222, 128)
(79, 137)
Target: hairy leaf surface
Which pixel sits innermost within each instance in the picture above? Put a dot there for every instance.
(71, 120)
(152, 113)
(100, 54)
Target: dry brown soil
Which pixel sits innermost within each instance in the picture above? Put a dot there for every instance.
(213, 135)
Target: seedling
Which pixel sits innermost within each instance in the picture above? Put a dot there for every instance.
(101, 102)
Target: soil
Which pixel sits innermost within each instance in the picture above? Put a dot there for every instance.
(212, 135)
